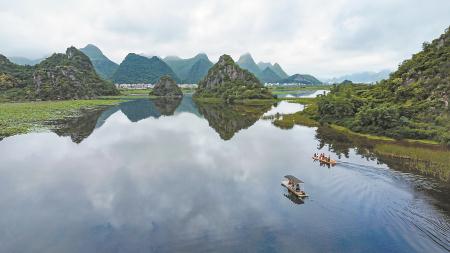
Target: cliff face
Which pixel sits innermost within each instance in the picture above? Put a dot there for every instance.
(228, 81)
(166, 87)
(60, 76)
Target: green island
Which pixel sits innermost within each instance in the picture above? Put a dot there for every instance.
(229, 83)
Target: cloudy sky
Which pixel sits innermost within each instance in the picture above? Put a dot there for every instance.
(324, 38)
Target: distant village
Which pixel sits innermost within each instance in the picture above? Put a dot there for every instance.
(191, 85)
(149, 85)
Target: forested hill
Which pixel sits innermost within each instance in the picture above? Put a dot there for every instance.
(103, 66)
(412, 103)
(190, 70)
(140, 69)
(60, 76)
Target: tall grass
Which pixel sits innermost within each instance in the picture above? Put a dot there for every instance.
(17, 118)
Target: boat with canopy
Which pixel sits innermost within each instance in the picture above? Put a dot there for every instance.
(293, 185)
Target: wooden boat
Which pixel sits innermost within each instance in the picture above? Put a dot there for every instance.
(293, 185)
(330, 162)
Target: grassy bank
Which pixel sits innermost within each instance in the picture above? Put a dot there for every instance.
(288, 121)
(211, 100)
(290, 89)
(18, 118)
(430, 162)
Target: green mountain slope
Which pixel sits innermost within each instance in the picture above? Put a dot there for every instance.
(190, 70)
(269, 76)
(263, 65)
(60, 76)
(226, 80)
(246, 62)
(279, 71)
(275, 68)
(412, 103)
(139, 69)
(301, 79)
(104, 67)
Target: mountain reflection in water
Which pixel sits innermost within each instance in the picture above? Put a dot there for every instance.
(156, 176)
(228, 119)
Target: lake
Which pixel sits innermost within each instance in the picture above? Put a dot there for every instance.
(171, 175)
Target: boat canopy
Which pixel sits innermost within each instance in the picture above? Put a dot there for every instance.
(294, 179)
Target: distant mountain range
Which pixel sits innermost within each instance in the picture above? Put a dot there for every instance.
(137, 68)
(267, 72)
(361, 77)
(275, 68)
(25, 61)
(140, 69)
(269, 76)
(246, 62)
(190, 70)
(104, 67)
(303, 79)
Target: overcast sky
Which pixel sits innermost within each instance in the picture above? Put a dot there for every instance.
(324, 38)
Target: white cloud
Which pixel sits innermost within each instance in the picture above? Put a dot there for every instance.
(320, 37)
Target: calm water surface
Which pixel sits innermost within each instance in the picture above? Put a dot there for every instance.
(171, 176)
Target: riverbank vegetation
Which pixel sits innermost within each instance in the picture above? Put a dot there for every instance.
(411, 104)
(285, 89)
(19, 118)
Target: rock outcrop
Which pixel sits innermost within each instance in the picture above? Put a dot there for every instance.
(166, 87)
(228, 81)
(60, 76)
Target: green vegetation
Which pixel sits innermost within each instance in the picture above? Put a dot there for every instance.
(166, 87)
(190, 70)
(18, 118)
(227, 119)
(287, 121)
(228, 82)
(140, 69)
(59, 77)
(431, 162)
(303, 101)
(269, 76)
(279, 71)
(104, 67)
(278, 90)
(411, 104)
(428, 160)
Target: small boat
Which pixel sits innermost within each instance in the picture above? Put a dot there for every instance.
(324, 160)
(293, 185)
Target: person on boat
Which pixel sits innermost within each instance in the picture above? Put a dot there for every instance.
(297, 188)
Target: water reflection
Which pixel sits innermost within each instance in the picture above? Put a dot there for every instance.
(167, 105)
(170, 184)
(80, 127)
(228, 119)
(139, 109)
(342, 145)
(294, 199)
